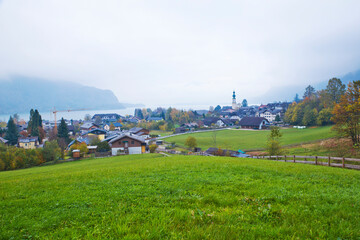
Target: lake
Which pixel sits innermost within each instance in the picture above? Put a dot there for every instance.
(77, 115)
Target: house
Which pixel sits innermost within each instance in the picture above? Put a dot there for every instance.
(71, 129)
(156, 119)
(127, 144)
(107, 117)
(116, 125)
(209, 121)
(84, 139)
(28, 142)
(96, 132)
(180, 130)
(87, 126)
(3, 140)
(253, 122)
(270, 115)
(140, 132)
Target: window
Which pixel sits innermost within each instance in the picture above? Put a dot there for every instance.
(132, 142)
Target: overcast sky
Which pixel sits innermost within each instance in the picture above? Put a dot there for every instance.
(196, 52)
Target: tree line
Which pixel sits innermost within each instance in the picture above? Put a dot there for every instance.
(317, 107)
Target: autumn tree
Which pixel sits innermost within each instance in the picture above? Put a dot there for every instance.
(191, 142)
(51, 151)
(347, 113)
(273, 146)
(309, 92)
(335, 89)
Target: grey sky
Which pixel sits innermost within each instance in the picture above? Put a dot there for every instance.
(180, 51)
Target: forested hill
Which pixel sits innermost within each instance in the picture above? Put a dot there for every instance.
(19, 95)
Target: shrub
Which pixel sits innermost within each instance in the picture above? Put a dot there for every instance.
(103, 147)
(51, 151)
(153, 148)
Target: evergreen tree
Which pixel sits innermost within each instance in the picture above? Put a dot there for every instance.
(309, 92)
(244, 103)
(35, 123)
(12, 133)
(297, 99)
(63, 131)
(217, 108)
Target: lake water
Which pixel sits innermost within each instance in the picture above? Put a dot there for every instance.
(77, 115)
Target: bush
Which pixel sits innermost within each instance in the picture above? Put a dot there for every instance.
(103, 147)
(153, 148)
(51, 151)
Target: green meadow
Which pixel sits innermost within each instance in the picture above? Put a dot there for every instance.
(179, 197)
(235, 139)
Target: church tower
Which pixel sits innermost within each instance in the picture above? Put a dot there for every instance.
(234, 105)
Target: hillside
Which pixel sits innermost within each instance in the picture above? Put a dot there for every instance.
(19, 95)
(235, 139)
(180, 197)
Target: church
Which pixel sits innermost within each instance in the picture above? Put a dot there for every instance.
(235, 105)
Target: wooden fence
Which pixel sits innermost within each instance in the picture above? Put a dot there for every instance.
(343, 162)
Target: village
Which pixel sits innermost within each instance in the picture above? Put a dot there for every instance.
(133, 134)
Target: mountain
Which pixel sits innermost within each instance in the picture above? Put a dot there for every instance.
(20, 94)
(287, 93)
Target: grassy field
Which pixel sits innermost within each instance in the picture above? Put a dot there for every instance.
(245, 140)
(179, 197)
(161, 133)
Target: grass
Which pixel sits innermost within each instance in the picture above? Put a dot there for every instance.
(248, 140)
(180, 197)
(161, 133)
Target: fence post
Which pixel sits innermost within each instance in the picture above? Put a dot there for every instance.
(285, 158)
(343, 162)
(277, 157)
(315, 160)
(294, 158)
(329, 162)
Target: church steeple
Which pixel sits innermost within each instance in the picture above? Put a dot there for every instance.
(234, 105)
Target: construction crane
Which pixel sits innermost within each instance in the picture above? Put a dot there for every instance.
(69, 110)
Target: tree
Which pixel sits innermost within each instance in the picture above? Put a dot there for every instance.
(277, 118)
(153, 148)
(213, 136)
(80, 146)
(87, 117)
(273, 143)
(63, 131)
(309, 92)
(51, 151)
(112, 127)
(244, 103)
(191, 142)
(310, 116)
(324, 117)
(335, 89)
(103, 147)
(12, 132)
(98, 120)
(296, 98)
(34, 123)
(217, 108)
(346, 114)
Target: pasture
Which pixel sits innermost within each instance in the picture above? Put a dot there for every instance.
(235, 139)
(179, 197)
